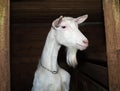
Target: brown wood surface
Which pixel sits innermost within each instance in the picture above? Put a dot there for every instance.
(96, 72)
(4, 46)
(112, 28)
(47, 10)
(87, 84)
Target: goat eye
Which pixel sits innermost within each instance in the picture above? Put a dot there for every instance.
(63, 27)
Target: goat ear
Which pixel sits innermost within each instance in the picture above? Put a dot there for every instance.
(81, 19)
(57, 22)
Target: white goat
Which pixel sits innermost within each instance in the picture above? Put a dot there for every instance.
(49, 76)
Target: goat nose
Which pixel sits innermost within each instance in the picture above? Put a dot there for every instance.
(86, 42)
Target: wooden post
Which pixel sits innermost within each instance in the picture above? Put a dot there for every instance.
(112, 29)
(4, 46)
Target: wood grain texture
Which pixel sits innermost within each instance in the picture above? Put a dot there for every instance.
(97, 73)
(112, 23)
(87, 84)
(48, 10)
(4, 46)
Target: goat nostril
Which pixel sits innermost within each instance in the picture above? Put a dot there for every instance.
(85, 41)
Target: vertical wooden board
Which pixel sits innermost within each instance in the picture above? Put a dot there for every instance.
(4, 46)
(112, 29)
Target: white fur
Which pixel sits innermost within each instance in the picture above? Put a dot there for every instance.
(64, 31)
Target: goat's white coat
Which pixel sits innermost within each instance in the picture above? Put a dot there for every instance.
(69, 36)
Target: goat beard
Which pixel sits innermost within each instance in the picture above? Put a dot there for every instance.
(71, 57)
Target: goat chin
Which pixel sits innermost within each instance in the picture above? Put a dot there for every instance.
(71, 57)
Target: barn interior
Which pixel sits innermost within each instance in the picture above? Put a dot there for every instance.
(30, 23)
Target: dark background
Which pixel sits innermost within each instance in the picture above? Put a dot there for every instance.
(31, 21)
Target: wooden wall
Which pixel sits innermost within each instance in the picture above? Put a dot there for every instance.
(112, 23)
(44, 11)
(30, 23)
(4, 46)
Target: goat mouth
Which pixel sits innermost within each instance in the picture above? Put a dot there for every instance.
(81, 47)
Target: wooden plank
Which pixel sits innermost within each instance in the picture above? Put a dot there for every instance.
(112, 23)
(22, 75)
(27, 50)
(87, 84)
(25, 60)
(53, 5)
(96, 72)
(56, 0)
(35, 12)
(4, 46)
